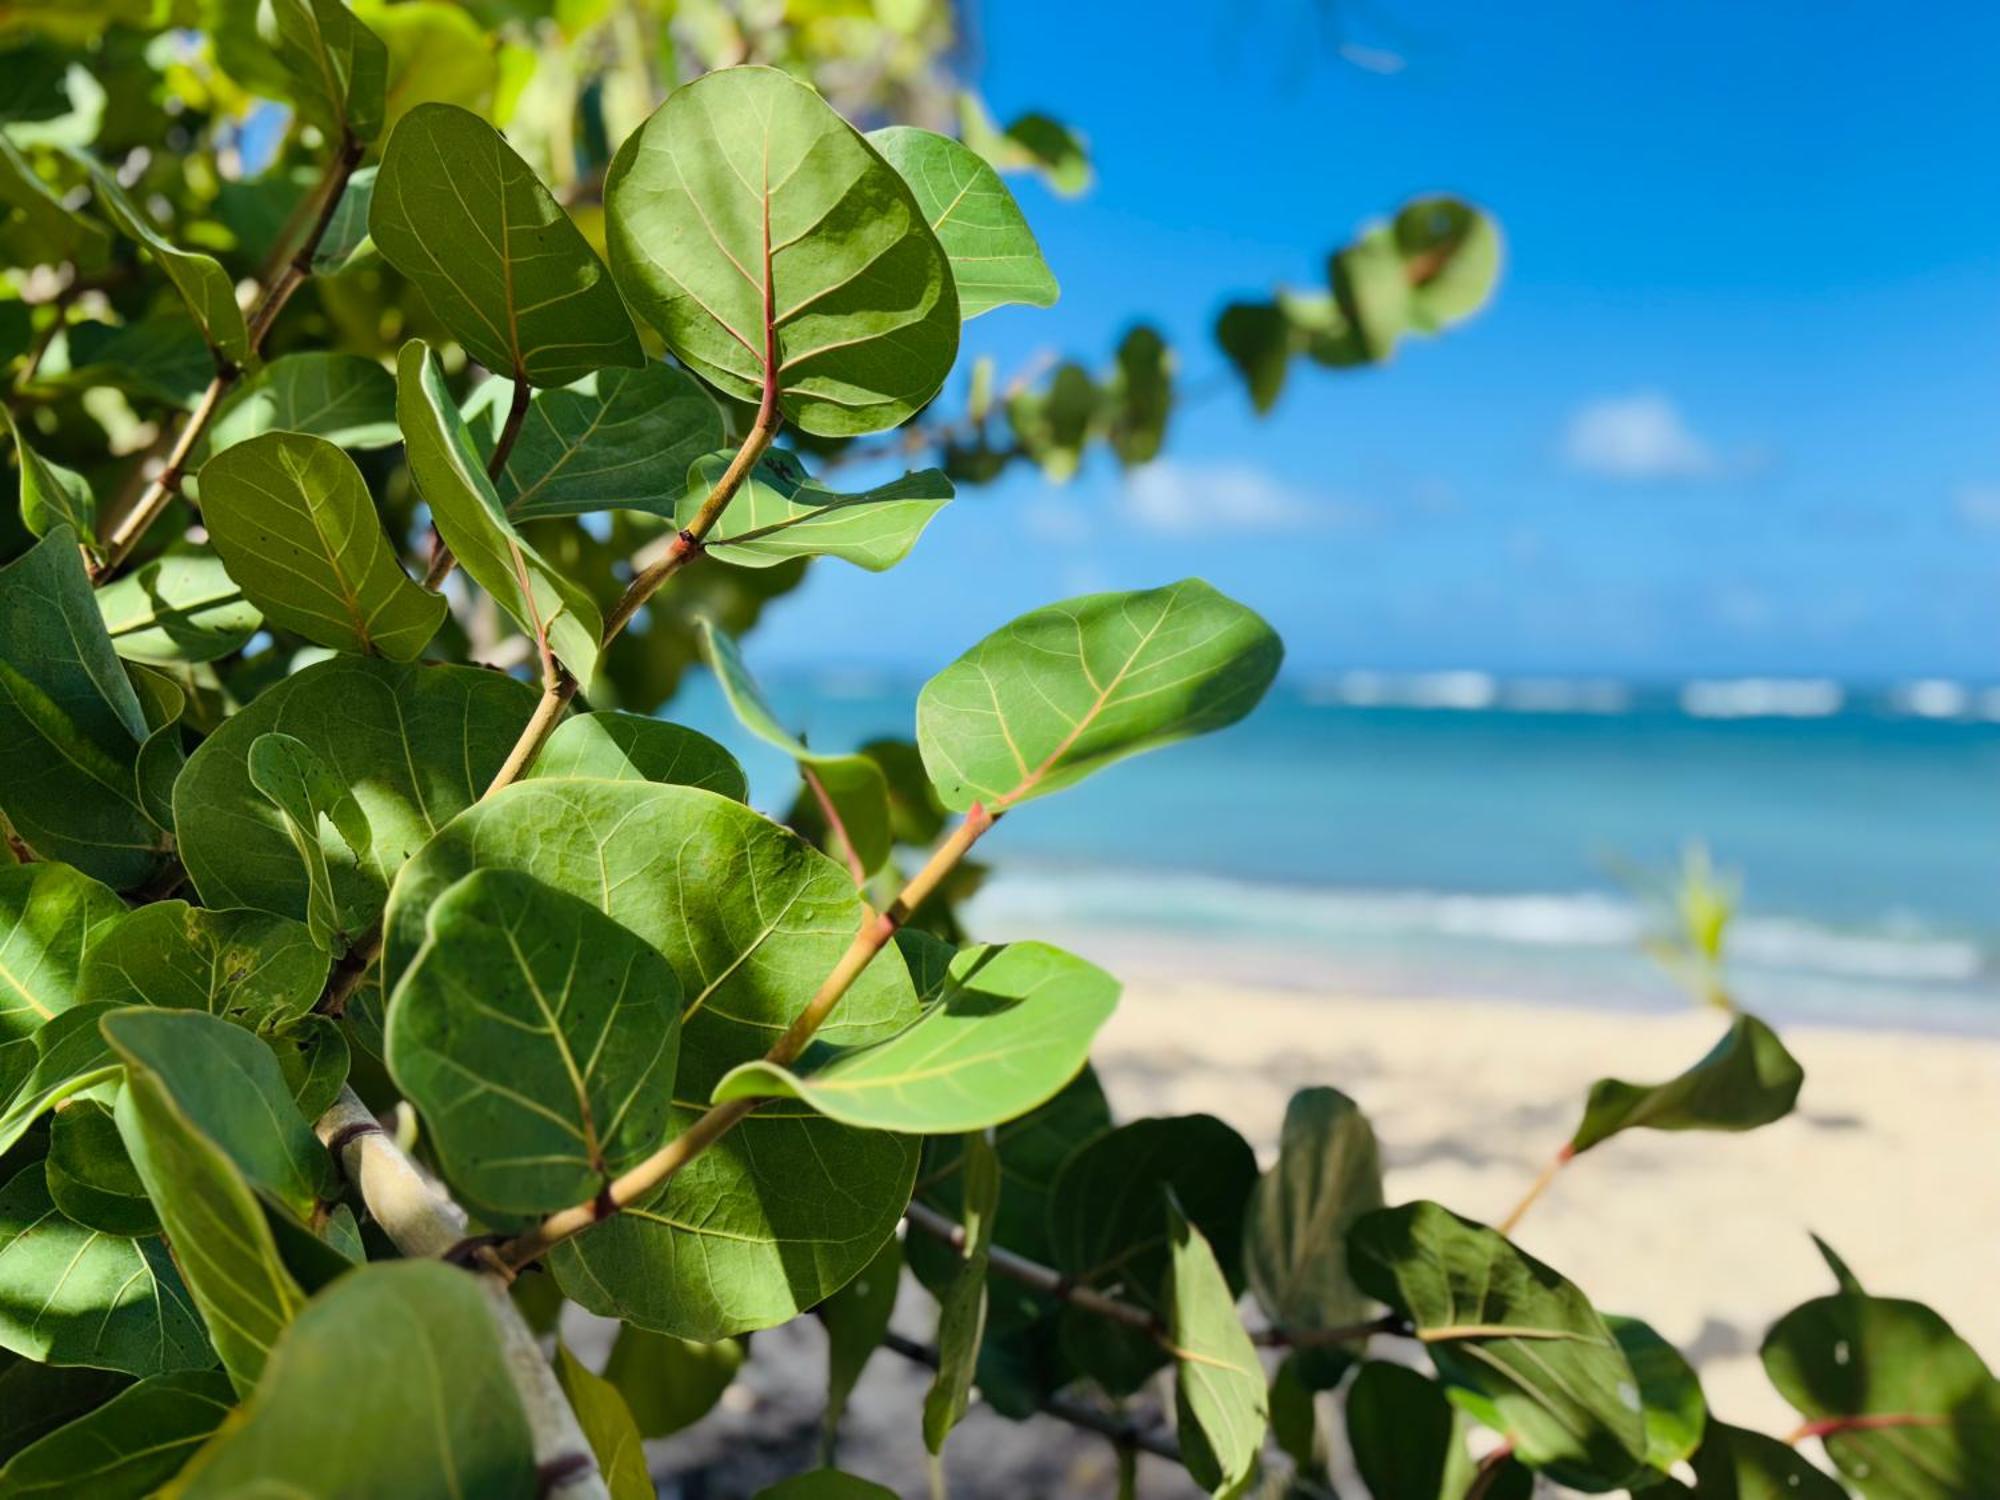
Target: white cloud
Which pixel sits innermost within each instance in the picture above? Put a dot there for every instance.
(1637, 438)
(1979, 506)
(1175, 499)
(1056, 522)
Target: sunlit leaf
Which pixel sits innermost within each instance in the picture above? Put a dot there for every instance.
(249, 966)
(608, 1426)
(994, 257)
(1220, 1402)
(781, 513)
(538, 1037)
(180, 608)
(1046, 700)
(206, 288)
(1670, 1394)
(539, 596)
(613, 746)
(1735, 1464)
(962, 1309)
(68, 1055)
(51, 918)
(1452, 254)
(458, 211)
(1011, 1026)
(318, 812)
(292, 520)
(51, 495)
(348, 400)
(810, 246)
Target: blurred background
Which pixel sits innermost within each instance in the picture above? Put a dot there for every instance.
(1690, 534)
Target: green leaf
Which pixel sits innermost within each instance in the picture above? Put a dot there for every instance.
(825, 1484)
(51, 495)
(855, 1318)
(177, 609)
(250, 967)
(292, 520)
(348, 400)
(538, 1038)
(1452, 254)
(1735, 1464)
(1928, 1407)
(1012, 1025)
(51, 919)
(161, 755)
(1328, 1174)
(336, 67)
(312, 1054)
(37, 1399)
(1256, 337)
(91, 1178)
(781, 513)
(346, 242)
(1408, 1441)
(224, 1245)
(1220, 1404)
(1032, 1151)
(788, 1206)
(457, 211)
(852, 785)
(994, 257)
(1108, 1230)
(1515, 1332)
(127, 1448)
(1295, 1425)
(1048, 699)
(1748, 1079)
(42, 226)
(745, 217)
(72, 1296)
(670, 1383)
(1033, 142)
(418, 1329)
(615, 440)
(416, 745)
(469, 518)
(1052, 424)
(1670, 1395)
(438, 53)
(69, 1056)
(608, 1426)
(207, 289)
(71, 723)
(962, 1310)
(1843, 1274)
(225, 1084)
(1371, 287)
(613, 746)
(317, 809)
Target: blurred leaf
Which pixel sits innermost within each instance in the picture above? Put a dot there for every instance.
(207, 289)
(1512, 1330)
(496, 257)
(856, 1317)
(292, 520)
(608, 1426)
(1220, 1404)
(1669, 1392)
(962, 1309)
(1064, 690)
(825, 1484)
(1328, 1174)
(128, 1447)
(1372, 288)
(816, 250)
(1257, 339)
(1034, 142)
(1452, 256)
(418, 1328)
(1737, 1465)
(670, 1383)
(1011, 1026)
(437, 55)
(1408, 1441)
(994, 258)
(1907, 1410)
(1748, 1079)
(1141, 396)
(538, 1039)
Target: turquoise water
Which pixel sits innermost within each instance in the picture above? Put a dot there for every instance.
(1455, 835)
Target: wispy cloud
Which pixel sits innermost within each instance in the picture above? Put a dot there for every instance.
(1176, 499)
(1979, 506)
(1638, 437)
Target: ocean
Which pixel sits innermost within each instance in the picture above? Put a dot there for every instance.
(1466, 836)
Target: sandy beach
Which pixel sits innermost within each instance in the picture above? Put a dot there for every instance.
(1888, 1157)
(1706, 1236)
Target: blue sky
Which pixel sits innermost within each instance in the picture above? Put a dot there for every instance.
(1736, 407)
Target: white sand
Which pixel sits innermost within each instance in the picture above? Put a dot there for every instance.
(1890, 1157)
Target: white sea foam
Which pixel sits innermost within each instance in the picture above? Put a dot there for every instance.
(1763, 698)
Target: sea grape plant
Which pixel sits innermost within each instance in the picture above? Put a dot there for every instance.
(380, 975)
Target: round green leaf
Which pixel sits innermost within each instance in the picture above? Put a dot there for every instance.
(1670, 1395)
(538, 1037)
(248, 966)
(747, 218)
(180, 608)
(1735, 1464)
(346, 399)
(1011, 1026)
(1046, 700)
(781, 513)
(994, 257)
(613, 746)
(1327, 1175)
(670, 1383)
(416, 745)
(457, 211)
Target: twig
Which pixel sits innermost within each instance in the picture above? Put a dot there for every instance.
(659, 1168)
(1123, 1431)
(1053, 1283)
(152, 502)
(423, 1220)
(1535, 1190)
